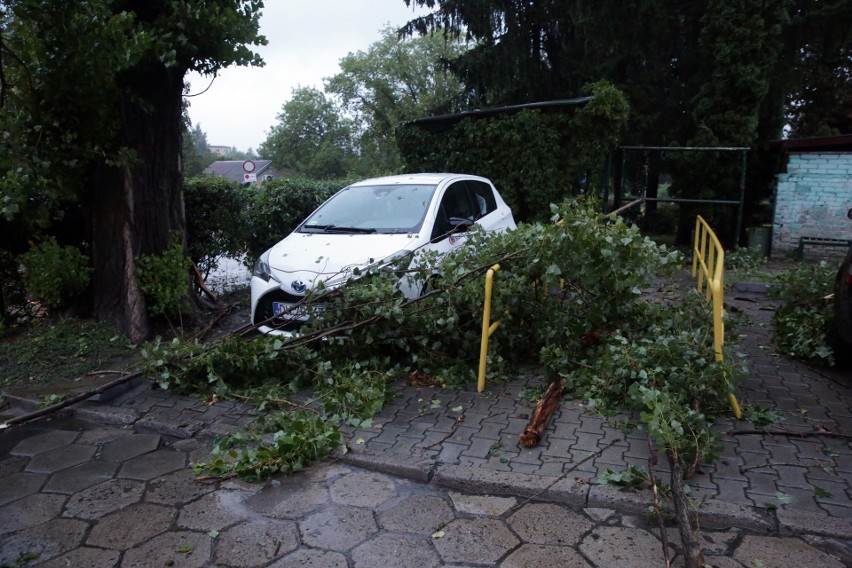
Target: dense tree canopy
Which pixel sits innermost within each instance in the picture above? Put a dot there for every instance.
(703, 73)
(393, 81)
(312, 137)
(91, 114)
(349, 128)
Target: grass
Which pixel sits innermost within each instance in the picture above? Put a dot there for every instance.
(60, 350)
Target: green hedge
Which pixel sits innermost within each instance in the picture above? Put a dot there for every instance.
(534, 157)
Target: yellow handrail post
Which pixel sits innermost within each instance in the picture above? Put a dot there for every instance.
(709, 256)
(487, 327)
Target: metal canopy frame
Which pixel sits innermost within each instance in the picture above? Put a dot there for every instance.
(743, 151)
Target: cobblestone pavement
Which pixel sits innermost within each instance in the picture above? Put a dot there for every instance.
(431, 484)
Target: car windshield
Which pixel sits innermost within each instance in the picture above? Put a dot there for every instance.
(372, 209)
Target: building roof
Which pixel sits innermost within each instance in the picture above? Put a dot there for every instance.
(830, 144)
(233, 169)
(450, 119)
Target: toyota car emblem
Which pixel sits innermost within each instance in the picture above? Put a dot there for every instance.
(298, 286)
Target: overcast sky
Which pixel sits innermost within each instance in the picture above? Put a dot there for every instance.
(307, 40)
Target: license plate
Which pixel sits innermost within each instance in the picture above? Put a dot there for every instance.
(294, 310)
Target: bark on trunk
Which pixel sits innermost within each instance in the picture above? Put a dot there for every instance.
(139, 203)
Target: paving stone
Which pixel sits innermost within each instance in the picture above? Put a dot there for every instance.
(718, 514)
(12, 465)
(20, 485)
(84, 557)
(46, 540)
(712, 542)
(800, 522)
(182, 548)
(772, 552)
(541, 556)
(214, 511)
(128, 448)
(395, 550)
(104, 498)
(482, 504)
(102, 435)
(622, 547)
(475, 541)
(421, 514)
(44, 442)
(29, 512)
(107, 415)
(177, 426)
(80, 477)
(339, 529)
(153, 464)
(131, 526)
(609, 497)
(292, 498)
(547, 523)
(58, 459)
(255, 543)
(177, 488)
(598, 514)
(312, 558)
(363, 490)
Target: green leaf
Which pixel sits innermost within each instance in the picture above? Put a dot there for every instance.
(821, 493)
(785, 498)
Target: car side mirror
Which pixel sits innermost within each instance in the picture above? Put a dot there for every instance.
(460, 224)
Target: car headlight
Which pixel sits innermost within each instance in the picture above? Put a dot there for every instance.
(262, 270)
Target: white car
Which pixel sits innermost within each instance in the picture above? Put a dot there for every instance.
(373, 222)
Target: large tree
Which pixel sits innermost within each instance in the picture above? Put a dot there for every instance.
(91, 108)
(312, 137)
(395, 80)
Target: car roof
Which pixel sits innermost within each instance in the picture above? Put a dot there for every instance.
(421, 178)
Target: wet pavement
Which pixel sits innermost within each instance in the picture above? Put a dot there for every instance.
(431, 483)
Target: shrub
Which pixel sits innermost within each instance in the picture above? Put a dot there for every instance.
(277, 207)
(164, 279)
(53, 274)
(801, 324)
(215, 219)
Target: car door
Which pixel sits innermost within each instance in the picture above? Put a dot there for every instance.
(456, 211)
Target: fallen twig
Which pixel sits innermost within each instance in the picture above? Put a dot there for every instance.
(788, 433)
(565, 474)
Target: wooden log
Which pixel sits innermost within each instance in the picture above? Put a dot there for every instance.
(544, 409)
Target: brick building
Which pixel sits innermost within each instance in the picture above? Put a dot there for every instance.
(813, 195)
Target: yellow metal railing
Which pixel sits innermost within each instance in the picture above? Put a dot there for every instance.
(708, 264)
(487, 327)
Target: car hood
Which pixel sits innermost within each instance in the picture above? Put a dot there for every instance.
(302, 260)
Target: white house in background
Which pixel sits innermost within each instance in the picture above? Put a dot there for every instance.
(238, 170)
(813, 194)
(220, 150)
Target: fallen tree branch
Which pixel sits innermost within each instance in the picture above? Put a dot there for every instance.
(69, 401)
(652, 462)
(544, 409)
(693, 555)
(199, 281)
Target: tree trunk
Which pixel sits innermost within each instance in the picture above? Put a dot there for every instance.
(139, 202)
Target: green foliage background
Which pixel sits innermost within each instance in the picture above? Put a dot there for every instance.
(534, 157)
